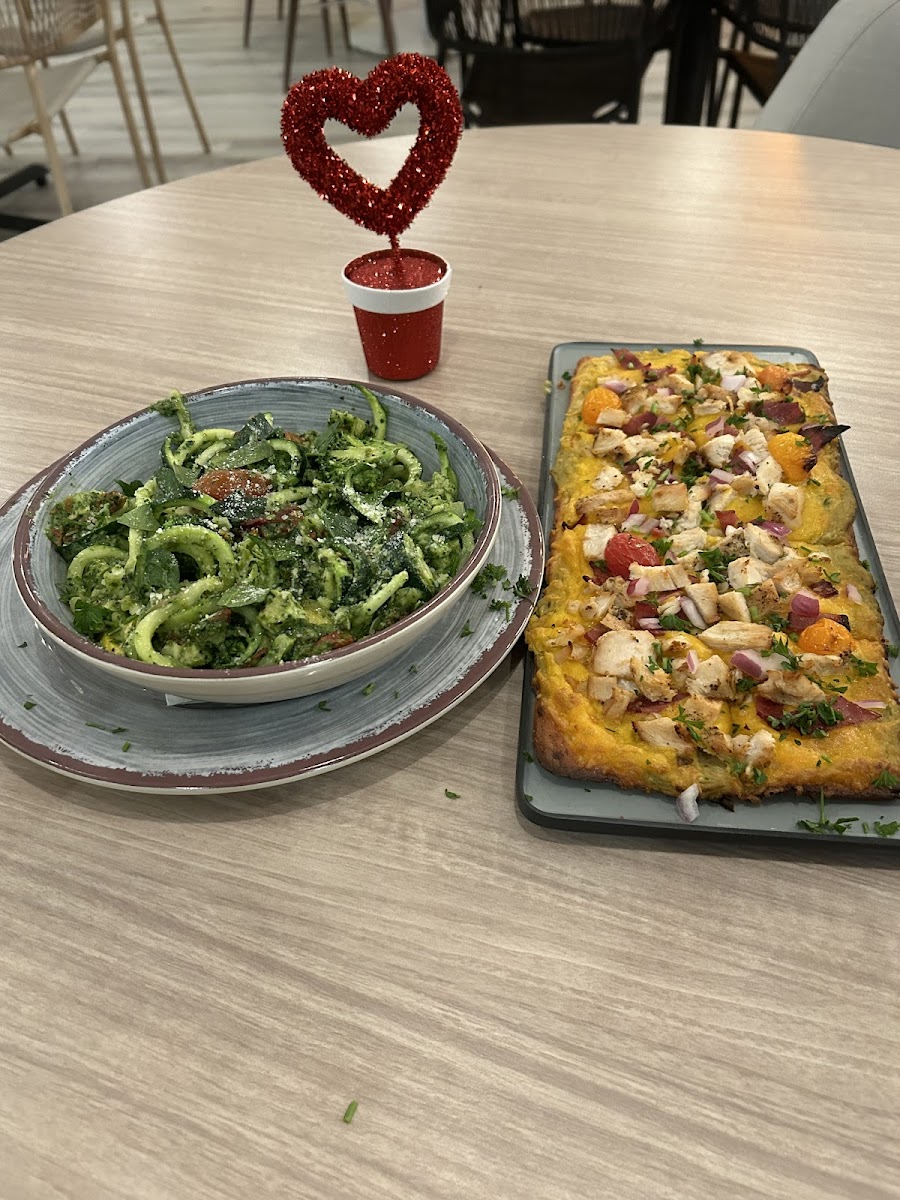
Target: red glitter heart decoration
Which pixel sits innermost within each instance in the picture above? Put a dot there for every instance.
(368, 106)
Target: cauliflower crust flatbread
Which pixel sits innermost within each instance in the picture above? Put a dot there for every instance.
(706, 618)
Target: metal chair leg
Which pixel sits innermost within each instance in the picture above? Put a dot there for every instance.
(248, 17)
(736, 102)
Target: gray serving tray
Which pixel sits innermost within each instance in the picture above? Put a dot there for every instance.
(552, 800)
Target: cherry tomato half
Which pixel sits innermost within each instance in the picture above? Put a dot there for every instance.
(623, 549)
(222, 483)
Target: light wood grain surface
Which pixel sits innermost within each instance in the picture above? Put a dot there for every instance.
(191, 991)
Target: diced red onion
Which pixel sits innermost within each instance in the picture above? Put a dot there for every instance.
(692, 662)
(634, 521)
(749, 662)
(692, 612)
(872, 703)
(750, 460)
(635, 507)
(720, 476)
(805, 605)
(686, 803)
(732, 429)
(638, 587)
(798, 623)
(651, 623)
(853, 594)
(775, 528)
(638, 422)
(616, 385)
(731, 383)
(650, 525)
(714, 428)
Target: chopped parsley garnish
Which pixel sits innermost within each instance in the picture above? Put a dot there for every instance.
(706, 518)
(29, 704)
(781, 647)
(658, 660)
(350, 1112)
(489, 575)
(369, 689)
(662, 546)
(466, 630)
(451, 795)
(887, 829)
(863, 668)
(670, 621)
(504, 606)
(529, 758)
(694, 727)
(774, 621)
(509, 493)
(832, 576)
(566, 375)
(323, 706)
(414, 670)
(823, 825)
(692, 470)
(808, 718)
(702, 374)
(22, 645)
(746, 684)
(522, 588)
(893, 649)
(126, 746)
(716, 562)
(698, 341)
(89, 618)
(759, 776)
(106, 728)
(886, 780)
(396, 695)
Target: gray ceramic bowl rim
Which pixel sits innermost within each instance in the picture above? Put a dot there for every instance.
(26, 584)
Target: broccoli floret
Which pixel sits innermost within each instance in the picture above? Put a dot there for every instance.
(174, 406)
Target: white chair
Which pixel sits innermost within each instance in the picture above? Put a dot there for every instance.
(33, 93)
(845, 82)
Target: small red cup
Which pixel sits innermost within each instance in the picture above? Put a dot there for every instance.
(399, 310)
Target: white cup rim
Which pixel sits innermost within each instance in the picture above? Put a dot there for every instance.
(401, 300)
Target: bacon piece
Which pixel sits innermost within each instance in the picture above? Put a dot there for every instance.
(854, 714)
(824, 588)
(629, 360)
(640, 420)
(820, 435)
(766, 708)
(726, 518)
(644, 609)
(783, 412)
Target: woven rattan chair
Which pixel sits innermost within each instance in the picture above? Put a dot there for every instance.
(31, 33)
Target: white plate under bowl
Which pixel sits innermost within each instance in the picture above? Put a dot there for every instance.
(130, 450)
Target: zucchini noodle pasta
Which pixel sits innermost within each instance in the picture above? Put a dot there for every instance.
(261, 545)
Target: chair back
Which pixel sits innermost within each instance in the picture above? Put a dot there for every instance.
(34, 29)
(844, 83)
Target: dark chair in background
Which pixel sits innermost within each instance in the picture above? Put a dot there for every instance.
(778, 28)
(526, 62)
(33, 173)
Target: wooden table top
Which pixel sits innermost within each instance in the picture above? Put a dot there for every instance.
(193, 990)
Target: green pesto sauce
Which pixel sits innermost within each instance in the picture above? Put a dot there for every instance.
(323, 538)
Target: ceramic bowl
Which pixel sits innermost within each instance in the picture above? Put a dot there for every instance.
(130, 450)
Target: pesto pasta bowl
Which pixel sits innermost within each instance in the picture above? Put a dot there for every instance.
(259, 540)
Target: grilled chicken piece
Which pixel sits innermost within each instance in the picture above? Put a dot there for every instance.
(790, 687)
(607, 506)
(756, 751)
(654, 684)
(762, 544)
(733, 606)
(787, 580)
(784, 503)
(691, 539)
(706, 597)
(728, 636)
(616, 707)
(595, 539)
(753, 440)
(609, 477)
(745, 485)
(601, 687)
(662, 732)
(699, 708)
(712, 678)
(718, 450)
(612, 418)
(727, 362)
(607, 441)
(670, 497)
(768, 473)
(662, 579)
(637, 445)
(597, 607)
(747, 571)
(615, 650)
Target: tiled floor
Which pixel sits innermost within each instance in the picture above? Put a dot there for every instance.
(238, 91)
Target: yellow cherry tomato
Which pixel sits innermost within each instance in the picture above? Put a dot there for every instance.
(826, 637)
(597, 401)
(791, 451)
